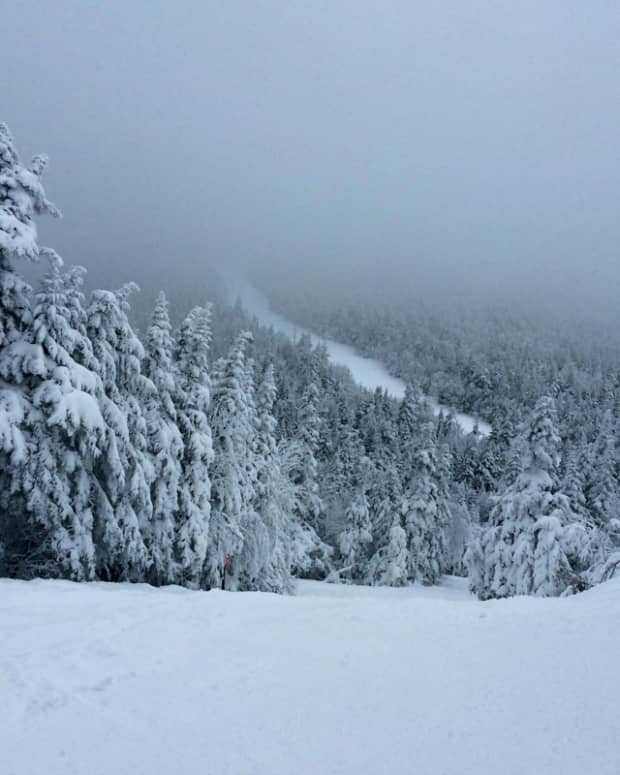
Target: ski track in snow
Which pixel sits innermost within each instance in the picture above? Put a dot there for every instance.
(367, 372)
(338, 680)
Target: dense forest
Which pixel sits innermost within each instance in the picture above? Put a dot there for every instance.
(205, 444)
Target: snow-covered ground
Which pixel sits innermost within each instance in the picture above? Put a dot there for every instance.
(98, 679)
(367, 372)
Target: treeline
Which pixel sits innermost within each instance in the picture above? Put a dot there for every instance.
(496, 364)
(153, 457)
(130, 460)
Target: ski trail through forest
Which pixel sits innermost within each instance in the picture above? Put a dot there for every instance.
(367, 372)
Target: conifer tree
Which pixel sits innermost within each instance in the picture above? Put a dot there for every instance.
(68, 431)
(389, 566)
(306, 478)
(413, 415)
(123, 506)
(165, 444)
(356, 536)
(232, 479)
(573, 481)
(192, 400)
(425, 512)
(458, 533)
(524, 549)
(22, 197)
(265, 559)
(602, 495)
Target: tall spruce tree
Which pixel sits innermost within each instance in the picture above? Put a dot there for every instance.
(192, 400)
(524, 548)
(306, 478)
(68, 431)
(22, 197)
(265, 558)
(165, 443)
(123, 506)
(233, 477)
(425, 511)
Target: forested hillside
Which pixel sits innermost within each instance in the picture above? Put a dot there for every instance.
(207, 445)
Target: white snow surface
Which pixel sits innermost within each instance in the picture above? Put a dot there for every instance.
(131, 680)
(367, 372)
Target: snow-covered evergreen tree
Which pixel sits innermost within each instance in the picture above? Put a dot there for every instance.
(524, 548)
(68, 431)
(21, 198)
(389, 566)
(165, 444)
(265, 559)
(475, 564)
(425, 511)
(123, 506)
(574, 480)
(602, 493)
(192, 400)
(310, 557)
(21, 361)
(457, 533)
(310, 503)
(356, 536)
(233, 477)
(413, 415)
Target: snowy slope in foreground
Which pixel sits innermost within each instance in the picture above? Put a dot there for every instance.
(130, 680)
(367, 372)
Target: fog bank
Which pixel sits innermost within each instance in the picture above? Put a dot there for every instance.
(460, 147)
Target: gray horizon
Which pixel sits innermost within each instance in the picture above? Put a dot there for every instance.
(465, 148)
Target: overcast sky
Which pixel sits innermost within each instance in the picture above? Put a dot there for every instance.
(466, 141)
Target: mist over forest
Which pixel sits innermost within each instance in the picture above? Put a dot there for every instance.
(464, 149)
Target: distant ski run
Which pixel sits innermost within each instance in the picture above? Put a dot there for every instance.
(367, 372)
